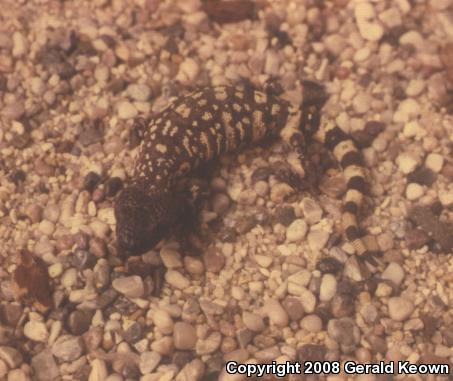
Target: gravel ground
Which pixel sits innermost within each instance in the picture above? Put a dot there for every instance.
(276, 282)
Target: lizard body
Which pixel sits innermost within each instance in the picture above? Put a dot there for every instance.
(207, 123)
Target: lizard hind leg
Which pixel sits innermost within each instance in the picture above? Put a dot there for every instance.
(193, 194)
(295, 139)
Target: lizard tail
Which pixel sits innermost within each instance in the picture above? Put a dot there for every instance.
(350, 159)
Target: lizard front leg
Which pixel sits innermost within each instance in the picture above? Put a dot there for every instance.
(192, 195)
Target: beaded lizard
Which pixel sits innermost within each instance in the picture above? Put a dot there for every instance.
(201, 126)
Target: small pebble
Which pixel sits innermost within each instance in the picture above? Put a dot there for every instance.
(20, 44)
(294, 308)
(308, 300)
(176, 279)
(400, 308)
(11, 356)
(67, 348)
(371, 31)
(252, 321)
(435, 162)
(36, 331)
(45, 366)
(149, 361)
(414, 191)
(193, 266)
(139, 92)
(130, 286)
(188, 70)
(163, 321)
(311, 323)
(296, 231)
(276, 313)
(406, 163)
(312, 211)
(209, 345)
(280, 192)
(317, 239)
(393, 272)
(415, 87)
(345, 332)
(446, 199)
(213, 260)
(126, 110)
(328, 287)
(184, 336)
(163, 346)
(98, 370)
(171, 258)
(17, 375)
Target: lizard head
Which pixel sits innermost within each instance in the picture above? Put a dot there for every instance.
(141, 219)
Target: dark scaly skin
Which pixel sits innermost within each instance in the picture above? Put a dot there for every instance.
(205, 124)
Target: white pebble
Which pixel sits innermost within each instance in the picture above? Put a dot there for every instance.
(406, 163)
(149, 361)
(130, 286)
(413, 129)
(139, 92)
(276, 313)
(371, 31)
(312, 211)
(36, 331)
(37, 85)
(20, 44)
(188, 71)
(407, 109)
(361, 103)
(311, 323)
(415, 87)
(363, 11)
(414, 191)
(435, 162)
(163, 321)
(237, 292)
(317, 239)
(98, 370)
(446, 198)
(46, 227)
(69, 277)
(176, 279)
(252, 321)
(362, 54)
(171, 258)
(126, 110)
(391, 17)
(328, 287)
(394, 272)
(263, 260)
(296, 231)
(400, 308)
(413, 38)
(308, 300)
(55, 270)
